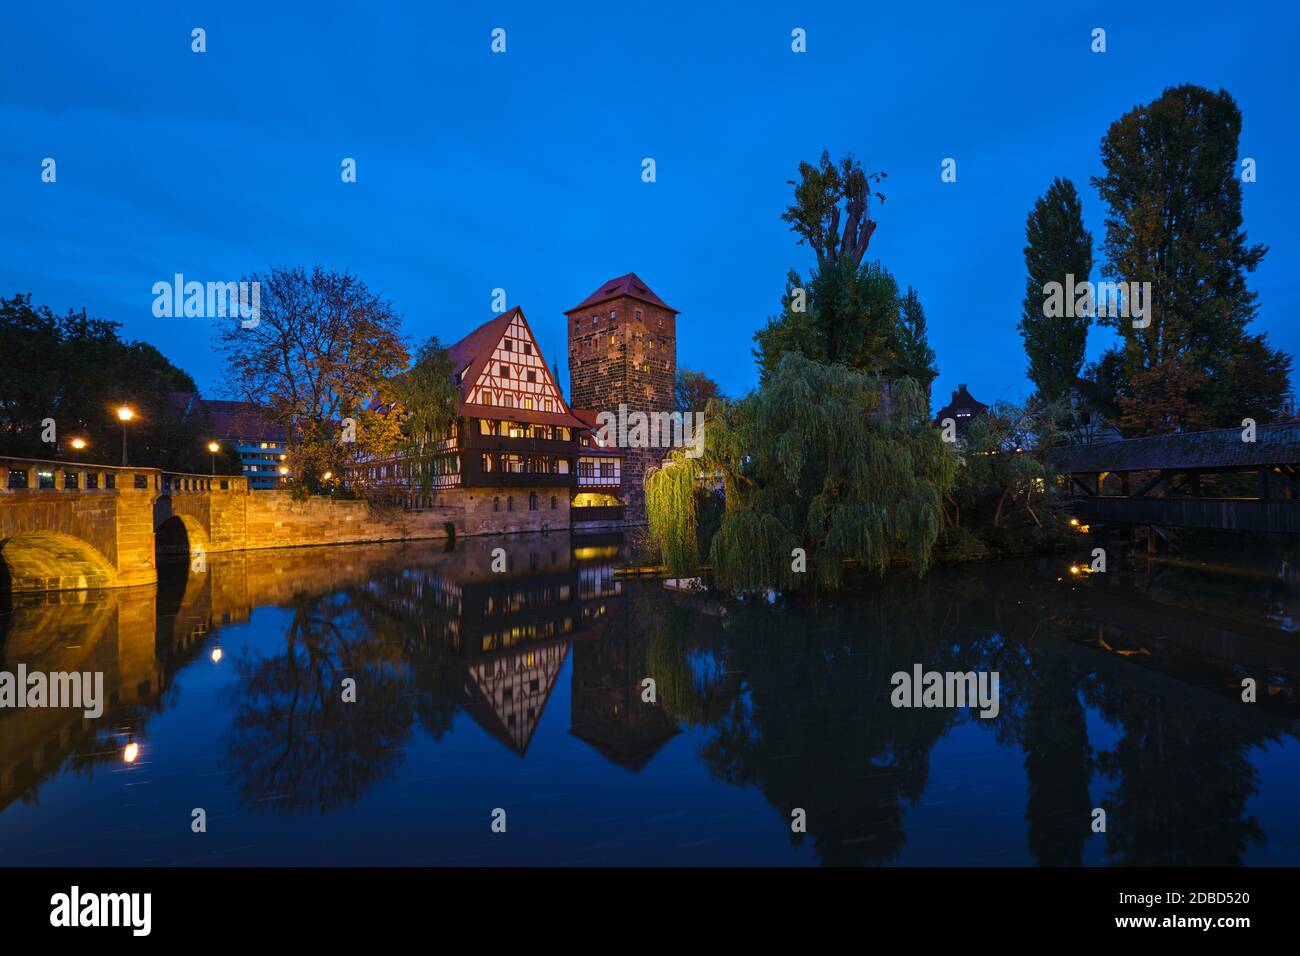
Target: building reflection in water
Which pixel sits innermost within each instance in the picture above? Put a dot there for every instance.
(791, 701)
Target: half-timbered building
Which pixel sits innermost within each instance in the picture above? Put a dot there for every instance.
(513, 455)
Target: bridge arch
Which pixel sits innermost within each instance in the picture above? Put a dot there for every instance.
(52, 561)
(180, 536)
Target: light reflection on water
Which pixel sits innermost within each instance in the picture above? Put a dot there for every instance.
(524, 691)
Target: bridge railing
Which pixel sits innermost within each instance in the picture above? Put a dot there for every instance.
(18, 475)
(36, 474)
(178, 482)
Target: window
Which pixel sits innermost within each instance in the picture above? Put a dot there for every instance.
(661, 321)
(595, 319)
(110, 480)
(487, 426)
(553, 501)
(564, 434)
(92, 480)
(496, 504)
(538, 465)
(17, 478)
(69, 479)
(528, 403)
(508, 401)
(508, 345)
(510, 503)
(613, 314)
(532, 501)
(637, 313)
(562, 466)
(612, 340)
(503, 371)
(142, 481)
(488, 463)
(528, 348)
(532, 376)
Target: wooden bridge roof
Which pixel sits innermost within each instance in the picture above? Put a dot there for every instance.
(1220, 448)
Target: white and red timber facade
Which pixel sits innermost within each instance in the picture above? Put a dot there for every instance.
(518, 458)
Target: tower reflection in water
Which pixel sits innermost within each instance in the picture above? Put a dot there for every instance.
(1115, 693)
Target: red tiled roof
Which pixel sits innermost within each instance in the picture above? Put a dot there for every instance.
(470, 354)
(629, 285)
(588, 418)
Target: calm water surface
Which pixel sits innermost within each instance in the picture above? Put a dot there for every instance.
(522, 691)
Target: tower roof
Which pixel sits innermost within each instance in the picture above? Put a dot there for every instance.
(626, 285)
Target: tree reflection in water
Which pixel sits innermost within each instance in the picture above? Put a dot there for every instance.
(1120, 692)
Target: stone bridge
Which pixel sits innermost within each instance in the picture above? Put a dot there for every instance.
(72, 526)
(67, 526)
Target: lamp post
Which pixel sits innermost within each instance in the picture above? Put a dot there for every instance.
(283, 473)
(213, 448)
(125, 414)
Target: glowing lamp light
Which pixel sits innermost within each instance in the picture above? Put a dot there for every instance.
(284, 470)
(131, 752)
(213, 447)
(125, 414)
(1074, 522)
(78, 443)
(327, 476)
(216, 655)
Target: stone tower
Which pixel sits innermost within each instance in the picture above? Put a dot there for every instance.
(623, 351)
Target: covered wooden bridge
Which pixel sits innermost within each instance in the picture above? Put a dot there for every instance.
(1217, 480)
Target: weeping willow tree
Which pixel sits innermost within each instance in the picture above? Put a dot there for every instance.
(821, 465)
(428, 398)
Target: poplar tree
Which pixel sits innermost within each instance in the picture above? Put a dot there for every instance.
(1056, 245)
(1175, 221)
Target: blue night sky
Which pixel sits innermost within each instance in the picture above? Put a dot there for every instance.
(523, 170)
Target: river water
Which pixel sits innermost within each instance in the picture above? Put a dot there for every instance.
(507, 687)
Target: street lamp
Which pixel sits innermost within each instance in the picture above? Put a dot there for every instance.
(283, 472)
(213, 448)
(78, 443)
(125, 414)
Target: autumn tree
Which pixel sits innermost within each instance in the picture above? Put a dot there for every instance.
(317, 360)
(694, 390)
(1056, 246)
(1175, 220)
